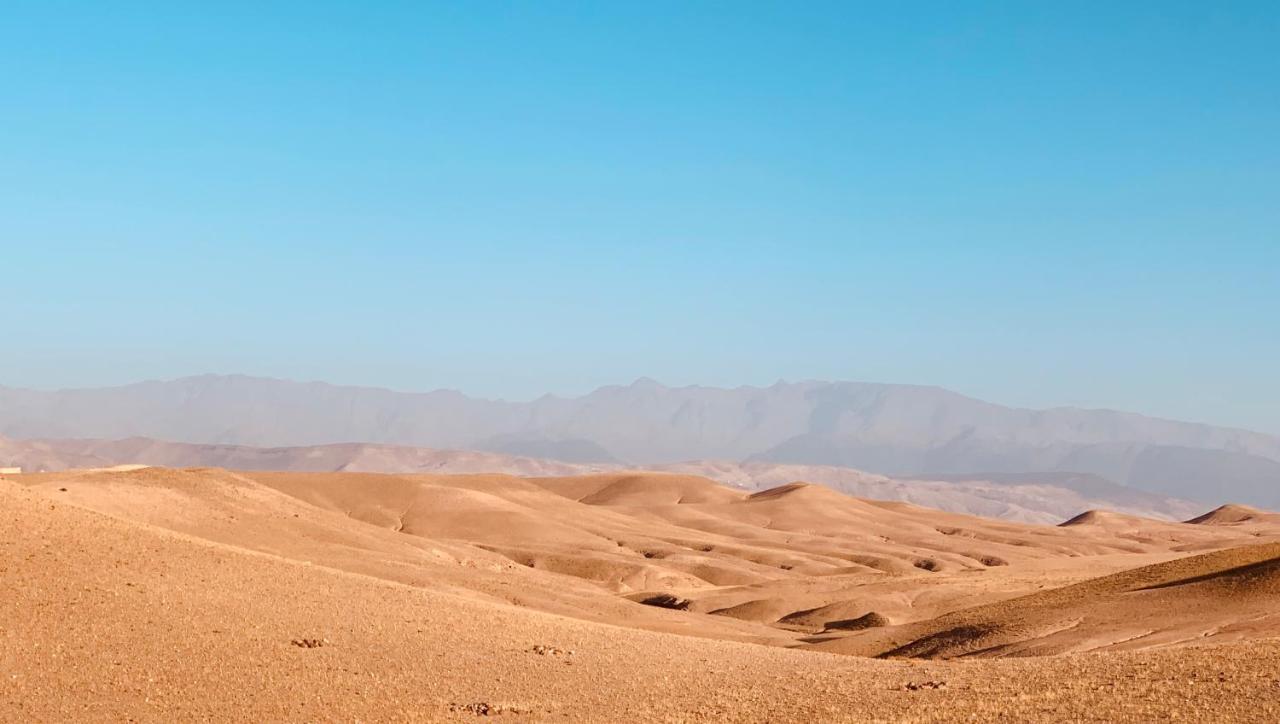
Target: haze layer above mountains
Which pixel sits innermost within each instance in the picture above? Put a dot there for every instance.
(897, 430)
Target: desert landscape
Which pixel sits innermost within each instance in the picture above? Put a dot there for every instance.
(627, 362)
(147, 593)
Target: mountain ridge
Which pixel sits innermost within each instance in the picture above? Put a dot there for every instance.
(641, 382)
(899, 430)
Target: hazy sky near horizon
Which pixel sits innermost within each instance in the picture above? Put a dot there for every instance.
(1034, 203)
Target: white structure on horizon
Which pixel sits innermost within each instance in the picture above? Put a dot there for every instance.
(10, 471)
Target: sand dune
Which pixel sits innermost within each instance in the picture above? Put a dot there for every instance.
(158, 594)
(1027, 498)
(1237, 515)
(1226, 595)
(607, 539)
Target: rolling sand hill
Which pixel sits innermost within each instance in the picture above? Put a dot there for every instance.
(1028, 498)
(1241, 516)
(161, 594)
(1226, 595)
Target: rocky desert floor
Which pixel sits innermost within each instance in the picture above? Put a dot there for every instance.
(164, 595)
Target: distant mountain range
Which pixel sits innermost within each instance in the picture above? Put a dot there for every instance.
(897, 430)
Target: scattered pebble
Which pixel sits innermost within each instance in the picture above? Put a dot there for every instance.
(484, 708)
(544, 650)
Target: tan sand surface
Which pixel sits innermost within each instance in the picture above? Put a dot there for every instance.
(163, 595)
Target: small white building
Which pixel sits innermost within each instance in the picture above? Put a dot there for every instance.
(10, 471)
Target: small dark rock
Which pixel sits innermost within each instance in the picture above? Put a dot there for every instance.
(484, 708)
(544, 650)
(666, 600)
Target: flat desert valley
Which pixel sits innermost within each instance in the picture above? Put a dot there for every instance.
(156, 594)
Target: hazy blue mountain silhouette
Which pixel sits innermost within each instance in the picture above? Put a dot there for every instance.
(892, 429)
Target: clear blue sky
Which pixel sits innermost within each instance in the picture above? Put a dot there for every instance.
(1035, 203)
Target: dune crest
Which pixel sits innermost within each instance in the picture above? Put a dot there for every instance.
(1235, 514)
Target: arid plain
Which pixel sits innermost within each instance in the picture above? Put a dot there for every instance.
(162, 594)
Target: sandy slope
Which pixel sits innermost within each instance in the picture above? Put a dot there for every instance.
(1226, 595)
(588, 546)
(185, 603)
